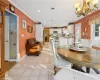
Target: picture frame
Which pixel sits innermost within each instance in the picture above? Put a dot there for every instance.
(12, 8)
(29, 29)
(24, 24)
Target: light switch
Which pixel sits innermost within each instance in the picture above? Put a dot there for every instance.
(22, 35)
(85, 29)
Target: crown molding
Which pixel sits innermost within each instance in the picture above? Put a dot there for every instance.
(21, 10)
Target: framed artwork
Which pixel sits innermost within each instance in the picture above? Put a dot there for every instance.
(24, 24)
(12, 8)
(29, 29)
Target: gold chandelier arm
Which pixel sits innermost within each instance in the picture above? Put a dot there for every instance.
(86, 7)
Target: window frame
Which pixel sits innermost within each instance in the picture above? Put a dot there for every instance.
(95, 31)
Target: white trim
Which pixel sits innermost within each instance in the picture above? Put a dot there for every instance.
(13, 30)
(11, 12)
(12, 60)
(17, 35)
(21, 58)
(17, 39)
(20, 9)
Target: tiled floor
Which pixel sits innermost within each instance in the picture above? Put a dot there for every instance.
(33, 67)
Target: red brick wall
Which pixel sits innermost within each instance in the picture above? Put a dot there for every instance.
(22, 40)
(85, 24)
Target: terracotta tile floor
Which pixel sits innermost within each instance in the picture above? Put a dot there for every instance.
(33, 67)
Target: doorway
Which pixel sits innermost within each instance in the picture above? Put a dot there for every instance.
(11, 36)
(46, 35)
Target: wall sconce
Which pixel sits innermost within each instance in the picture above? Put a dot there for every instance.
(83, 33)
(85, 29)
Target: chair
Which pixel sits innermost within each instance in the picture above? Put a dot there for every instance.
(58, 61)
(71, 74)
(33, 47)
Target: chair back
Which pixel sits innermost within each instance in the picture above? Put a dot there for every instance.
(52, 41)
(31, 41)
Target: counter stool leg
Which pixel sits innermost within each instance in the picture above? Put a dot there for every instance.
(76, 67)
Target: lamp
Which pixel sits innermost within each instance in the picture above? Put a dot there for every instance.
(87, 7)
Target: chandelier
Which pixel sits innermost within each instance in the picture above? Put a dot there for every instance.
(87, 7)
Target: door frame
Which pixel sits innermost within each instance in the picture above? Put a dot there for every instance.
(17, 59)
(48, 38)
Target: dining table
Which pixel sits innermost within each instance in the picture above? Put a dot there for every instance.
(89, 58)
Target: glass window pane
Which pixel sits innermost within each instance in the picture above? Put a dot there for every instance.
(97, 27)
(97, 34)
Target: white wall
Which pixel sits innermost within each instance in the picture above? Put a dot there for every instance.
(71, 28)
(86, 43)
(39, 32)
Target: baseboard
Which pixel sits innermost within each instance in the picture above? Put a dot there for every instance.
(12, 60)
(21, 58)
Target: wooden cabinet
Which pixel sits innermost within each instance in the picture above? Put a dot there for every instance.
(3, 4)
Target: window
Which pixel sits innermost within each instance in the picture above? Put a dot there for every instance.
(97, 30)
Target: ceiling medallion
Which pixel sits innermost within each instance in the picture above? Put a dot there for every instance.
(87, 7)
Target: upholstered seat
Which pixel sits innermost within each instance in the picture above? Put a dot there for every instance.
(33, 47)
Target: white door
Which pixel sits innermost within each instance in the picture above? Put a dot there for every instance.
(13, 43)
(6, 38)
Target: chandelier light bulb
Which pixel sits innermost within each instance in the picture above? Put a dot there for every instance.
(79, 9)
(77, 5)
(94, 2)
(88, 1)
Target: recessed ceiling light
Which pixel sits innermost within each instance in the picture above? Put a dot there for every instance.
(38, 10)
(52, 8)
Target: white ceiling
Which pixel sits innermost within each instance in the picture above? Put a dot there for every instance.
(63, 13)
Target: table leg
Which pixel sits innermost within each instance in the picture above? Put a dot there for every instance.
(96, 70)
(76, 67)
(87, 69)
